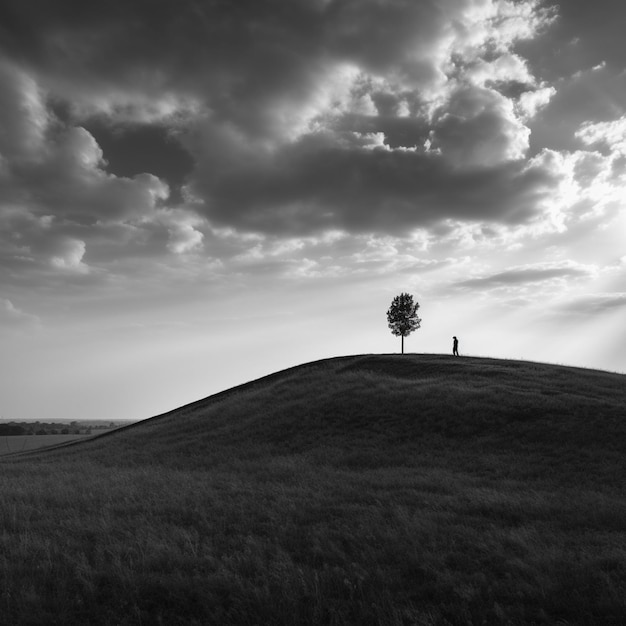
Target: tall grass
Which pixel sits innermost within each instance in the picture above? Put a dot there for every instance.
(355, 491)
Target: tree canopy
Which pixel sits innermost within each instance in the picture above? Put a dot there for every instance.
(402, 316)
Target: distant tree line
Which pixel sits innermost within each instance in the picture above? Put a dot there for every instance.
(14, 429)
(11, 429)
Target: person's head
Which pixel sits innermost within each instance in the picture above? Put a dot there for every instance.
(453, 337)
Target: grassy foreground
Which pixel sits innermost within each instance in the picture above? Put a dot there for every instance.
(413, 489)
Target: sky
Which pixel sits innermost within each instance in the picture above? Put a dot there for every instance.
(197, 193)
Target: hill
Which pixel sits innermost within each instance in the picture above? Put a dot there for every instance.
(380, 410)
(374, 489)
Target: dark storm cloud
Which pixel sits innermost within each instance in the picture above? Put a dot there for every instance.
(115, 36)
(269, 68)
(374, 190)
(299, 115)
(240, 56)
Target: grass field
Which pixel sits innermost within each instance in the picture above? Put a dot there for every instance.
(415, 489)
(14, 444)
(21, 443)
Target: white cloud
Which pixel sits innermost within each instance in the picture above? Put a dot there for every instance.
(503, 22)
(507, 67)
(495, 25)
(611, 134)
(530, 102)
(184, 238)
(77, 151)
(182, 228)
(584, 186)
(147, 106)
(66, 253)
(23, 113)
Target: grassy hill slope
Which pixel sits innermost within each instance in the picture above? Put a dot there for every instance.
(380, 410)
(389, 489)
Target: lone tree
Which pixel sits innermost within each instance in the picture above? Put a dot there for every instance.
(402, 316)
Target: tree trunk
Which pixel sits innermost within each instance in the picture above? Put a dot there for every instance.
(402, 343)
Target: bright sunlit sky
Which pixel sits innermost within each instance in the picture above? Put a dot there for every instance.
(196, 193)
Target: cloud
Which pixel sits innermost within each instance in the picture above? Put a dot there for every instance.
(301, 121)
(312, 116)
(531, 102)
(587, 35)
(67, 253)
(597, 304)
(478, 127)
(381, 149)
(56, 198)
(585, 96)
(67, 179)
(23, 113)
(183, 231)
(586, 184)
(611, 134)
(13, 318)
(308, 188)
(525, 275)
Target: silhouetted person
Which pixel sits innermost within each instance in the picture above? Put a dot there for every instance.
(455, 346)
